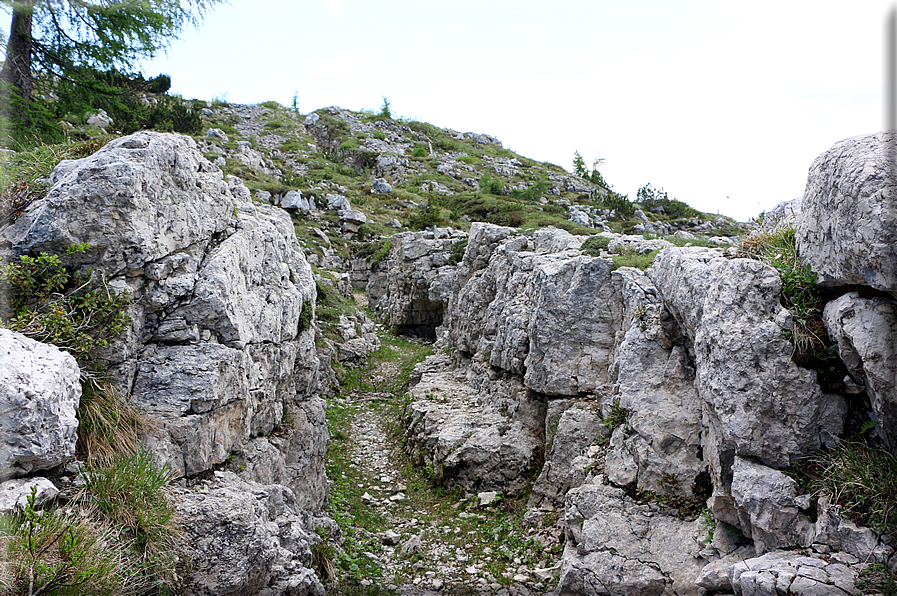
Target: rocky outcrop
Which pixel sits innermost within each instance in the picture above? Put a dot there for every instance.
(666, 386)
(40, 390)
(865, 331)
(409, 287)
(216, 349)
(246, 538)
(847, 227)
(219, 351)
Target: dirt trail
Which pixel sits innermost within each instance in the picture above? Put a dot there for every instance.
(408, 536)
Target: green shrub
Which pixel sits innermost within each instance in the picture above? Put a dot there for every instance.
(420, 150)
(657, 201)
(534, 192)
(593, 245)
(776, 247)
(458, 249)
(490, 184)
(53, 303)
(51, 552)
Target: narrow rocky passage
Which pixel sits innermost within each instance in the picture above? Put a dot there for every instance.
(403, 534)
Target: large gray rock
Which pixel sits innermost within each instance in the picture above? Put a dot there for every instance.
(480, 438)
(515, 301)
(769, 507)
(790, 573)
(144, 205)
(247, 538)
(755, 401)
(14, 494)
(847, 227)
(219, 348)
(617, 547)
(865, 331)
(578, 428)
(655, 383)
(40, 389)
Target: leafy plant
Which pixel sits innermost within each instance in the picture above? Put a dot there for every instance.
(616, 417)
(420, 150)
(54, 303)
(776, 247)
(593, 245)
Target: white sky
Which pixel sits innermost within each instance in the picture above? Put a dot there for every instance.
(723, 105)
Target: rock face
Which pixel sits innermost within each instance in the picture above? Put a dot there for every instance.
(865, 331)
(675, 384)
(755, 401)
(219, 351)
(215, 348)
(40, 390)
(246, 538)
(847, 227)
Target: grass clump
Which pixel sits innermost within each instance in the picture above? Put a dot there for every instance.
(117, 536)
(128, 494)
(629, 258)
(377, 251)
(593, 245)
(458, 249)
(860, 474)
(775, 245)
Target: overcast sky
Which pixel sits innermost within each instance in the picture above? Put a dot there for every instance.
(723, 104)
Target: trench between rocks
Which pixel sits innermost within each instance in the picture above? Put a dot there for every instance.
(403, 533)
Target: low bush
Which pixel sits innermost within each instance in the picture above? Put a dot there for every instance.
(776, 246)
(593, 245)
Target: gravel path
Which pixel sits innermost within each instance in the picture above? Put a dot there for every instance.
(432, 543)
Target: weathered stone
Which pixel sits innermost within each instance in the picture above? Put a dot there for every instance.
(14, 494)
(380, 185)
(655, 383)
(847, 227)
(785, 572)
(40, 390)
(244, 537)
(865, 331)
(755, 401)
(100, 119)
(294, 200)
(217, 134)
(616, 546)
(768, 507)
(578, 428)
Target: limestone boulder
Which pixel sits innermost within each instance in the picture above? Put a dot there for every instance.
(616, 546)
(40, 390)
(655, 383)
(151, 195)
(847, 226)
(220, 343)
(14, 494)
(755, 401)
(769, 508)
(578, 429)
(865, 331)
(784, 572)
(247, 538)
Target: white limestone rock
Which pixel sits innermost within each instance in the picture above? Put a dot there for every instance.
(769, 507)
(755, 401)
(616, 546)
(784, 572)
(150, 195)
(847, 227)
(14, 493)
(40, 390)
(865, 331)
(247, 538)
